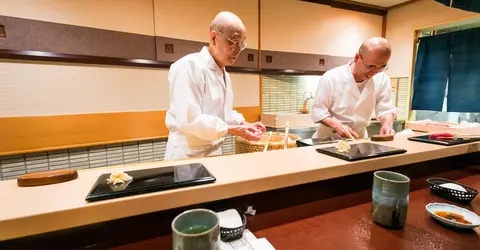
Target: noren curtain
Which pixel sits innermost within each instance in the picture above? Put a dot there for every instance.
(431, 72)
(464, 81)
(468, 5)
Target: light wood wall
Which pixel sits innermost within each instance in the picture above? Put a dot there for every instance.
(46, 106)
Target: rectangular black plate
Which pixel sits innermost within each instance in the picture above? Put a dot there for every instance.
(320, 141)
(151, 180)
(425, 138)
(362, 151)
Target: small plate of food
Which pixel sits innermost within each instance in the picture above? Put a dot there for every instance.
(453, 216)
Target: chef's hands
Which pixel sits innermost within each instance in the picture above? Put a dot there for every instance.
(338, 128)
(341, 130)
(249, 131)
(251, 134)
(387, 130)
(387, 124)
(258, 126)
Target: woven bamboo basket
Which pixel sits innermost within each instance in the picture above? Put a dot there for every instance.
(243, 145)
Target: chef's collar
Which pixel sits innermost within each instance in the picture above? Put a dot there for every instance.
(205, 54)
(349, 70)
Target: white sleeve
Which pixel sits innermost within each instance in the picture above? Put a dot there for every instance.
(237, 118)
(322, 101)
(187, 87)
(384, 104)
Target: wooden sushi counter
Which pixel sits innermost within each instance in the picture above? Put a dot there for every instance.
(284, 186)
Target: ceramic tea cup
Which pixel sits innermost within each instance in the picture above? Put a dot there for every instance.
(390, 194)
(196, 229)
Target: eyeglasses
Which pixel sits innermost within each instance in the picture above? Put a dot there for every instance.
(240, 46)
(373, 67)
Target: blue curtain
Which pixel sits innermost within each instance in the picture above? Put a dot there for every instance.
(464, 82)
(444, 2)
(468, 5)
(431, 72)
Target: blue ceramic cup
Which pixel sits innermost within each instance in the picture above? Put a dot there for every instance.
(196, 229)
(390, 193)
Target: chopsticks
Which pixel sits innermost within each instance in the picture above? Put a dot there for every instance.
(268, 142)
(285, 139)
(348, 132)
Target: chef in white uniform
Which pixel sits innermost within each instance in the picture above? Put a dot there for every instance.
(201, 98)
(347, 95)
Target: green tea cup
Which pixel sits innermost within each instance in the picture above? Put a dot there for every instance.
(390, 193)
(196, 229)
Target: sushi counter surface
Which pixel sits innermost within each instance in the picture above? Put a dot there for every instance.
(27, 211)
(344, 221)
(353, 228)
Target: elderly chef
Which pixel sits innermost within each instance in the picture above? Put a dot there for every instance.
(347, 95)
(201, 97)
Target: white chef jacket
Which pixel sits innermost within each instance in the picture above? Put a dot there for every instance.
(201, 107)
(339, 97)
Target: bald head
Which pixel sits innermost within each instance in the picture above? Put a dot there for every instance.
(371, 59)
(376, 45)
(227, 38)
(227, 22)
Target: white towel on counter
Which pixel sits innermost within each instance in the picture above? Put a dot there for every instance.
(247, 242)
(230, 218)
(406, 132)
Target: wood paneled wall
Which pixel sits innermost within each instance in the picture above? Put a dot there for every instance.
(54, 105)
(40, 133)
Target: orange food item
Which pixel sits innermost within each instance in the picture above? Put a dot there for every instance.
(452, 216)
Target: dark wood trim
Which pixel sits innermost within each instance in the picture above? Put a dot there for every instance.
(384, 26)
(259, 58)
(233, 69)
(178, 48)
(358, 8)
(294, 63)
(58, 57)
(56, 42)
(362, 4)
(324, 2)
(36, 35)
(375, 10)
(99, 60)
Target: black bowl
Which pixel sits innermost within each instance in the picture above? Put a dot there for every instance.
(451, 194)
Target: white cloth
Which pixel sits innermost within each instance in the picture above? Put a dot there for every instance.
(201, 107)
(405, 132)
(338, 96)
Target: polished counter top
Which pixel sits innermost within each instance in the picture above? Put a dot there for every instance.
(353, 228)
(34, 210)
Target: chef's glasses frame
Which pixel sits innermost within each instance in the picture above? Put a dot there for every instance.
(240, 46)
(373, 67)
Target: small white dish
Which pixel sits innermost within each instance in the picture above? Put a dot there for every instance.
(467, 214)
